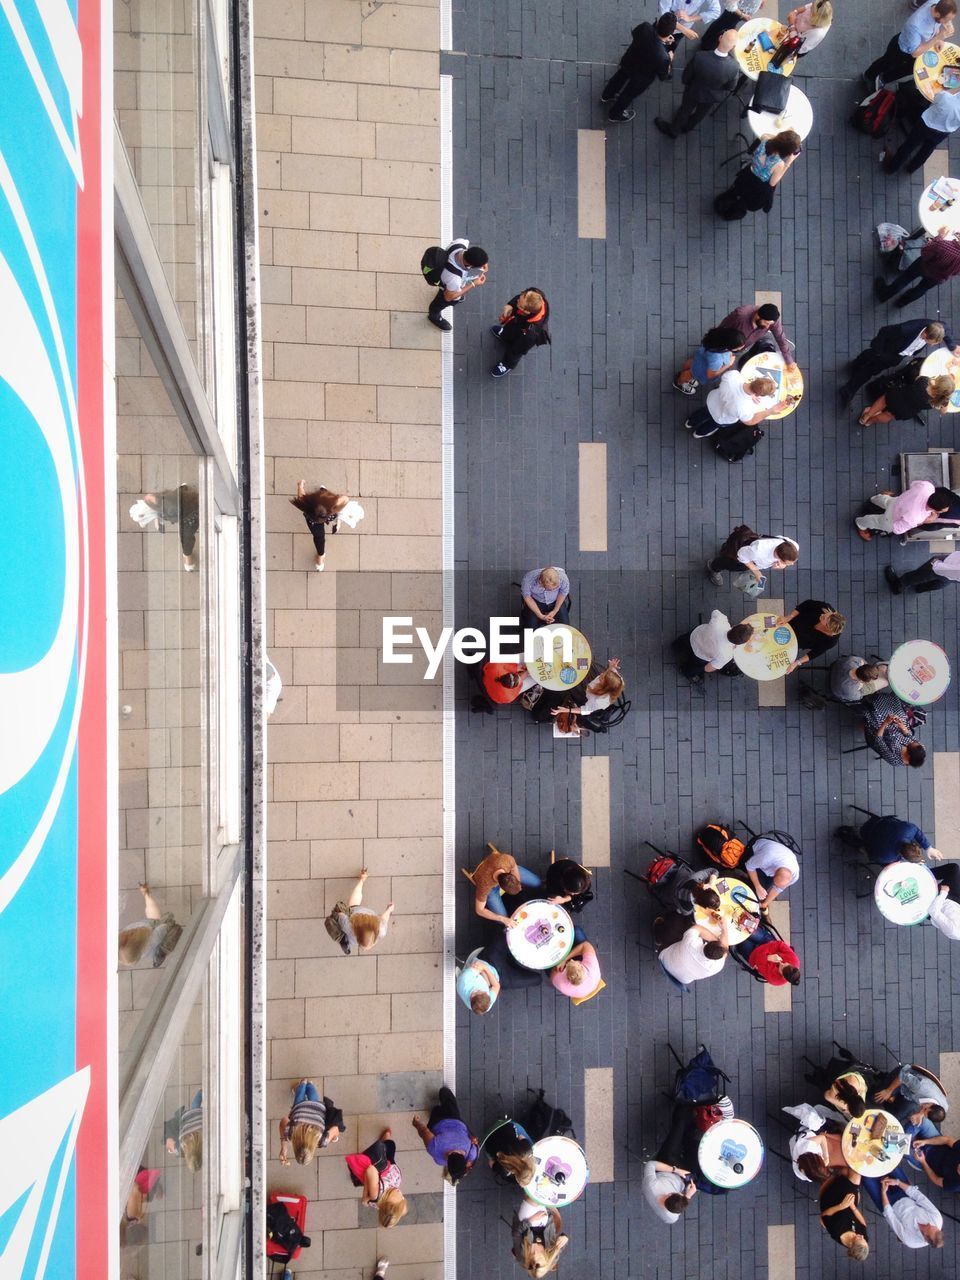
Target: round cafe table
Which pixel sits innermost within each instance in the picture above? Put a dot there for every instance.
(928, 69)
(731, 1153)
(933, 215)
(561, 1172)
(770, 649)
(751, 56)
(944, 361)
(738, 906)
(796, 115)
(874, 1157)
(552, 672)
(771, 364)
(542, 935)
(905, 891)
(919, 672)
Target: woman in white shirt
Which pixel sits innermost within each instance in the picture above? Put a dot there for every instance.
(601, 693)
(811, 22)
(735, 400)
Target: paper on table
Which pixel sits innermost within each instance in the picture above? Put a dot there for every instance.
(942, 189)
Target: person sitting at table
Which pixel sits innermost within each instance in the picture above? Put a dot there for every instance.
(889, 839)
(734, 12)
(775, 960)
(932, 575)
(510, 974)
(537, 1239)
(772, 868)
(907, 1089)
(939, 261)
(504, 682)
(756, 183)
(840, 1214)
(546, 597)
(601, 693)
(845, 1083)
(853, 678)
(672, 925)
(699, 954)
(923, 30)
(510, 1153)
(909, 1214)
(817, 626)
(498, 874)
(919, 504)
(889, 730)
(816, 1149)
(737, 400)
(939, 1158)
(945, 913)
(579, 975)
(685, 889)
(756, 555)
(810, 22)
(567, 883)
(709, 647)
(478, 983)
(668, 1187)
(892, 344)
(710, 361)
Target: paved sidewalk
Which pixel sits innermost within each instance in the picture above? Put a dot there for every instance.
(348, 150)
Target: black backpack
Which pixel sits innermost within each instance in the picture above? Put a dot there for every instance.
(735, 444)
(435, 261)
(607, 718)
(283, 1230)
(876, 114)
(542, 1121)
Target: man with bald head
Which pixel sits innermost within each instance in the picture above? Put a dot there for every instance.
(708, 77)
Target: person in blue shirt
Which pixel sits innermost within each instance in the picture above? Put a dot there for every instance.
(930, 24)
(889, 839)
(932, 127)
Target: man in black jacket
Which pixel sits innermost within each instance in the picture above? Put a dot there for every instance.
(895, 342)
(648, 58)
(709, 78)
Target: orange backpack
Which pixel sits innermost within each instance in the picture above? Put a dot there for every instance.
(720, 846)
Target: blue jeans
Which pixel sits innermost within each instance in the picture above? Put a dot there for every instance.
(925, 1129)
(749, 945)
(578, 935)
(529, 880)
(766, 882)
(873, 1191)
(676, 982)
(197, 1100)
(306, 1092)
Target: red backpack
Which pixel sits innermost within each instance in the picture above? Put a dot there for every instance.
(720, 846)
(876, 114)
(659, 869)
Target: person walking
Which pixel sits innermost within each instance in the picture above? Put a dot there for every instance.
(376, 1171)
(925, 29)
(521, 327)
(890, 345)
(939, 261)
(310, 1123)
(360, 926)
(181, 507)
(710, 361)
(922, 503)
(737, 400)
(754, 186)
(817, 626)
(709, 647)
(925, 134)
(932, 575)
(321, 509)
(648, 57)
(709, 77)
(465, 270)
(447, 1138)
(761, 329)
(755, 554)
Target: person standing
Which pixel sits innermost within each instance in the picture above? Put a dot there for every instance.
(817, 626)
(932, 126)
(709, 647)
(736, 400)
(710, 361)
(447, 1139)
(939, 261)
(649, 57)
(522, 326)
(756, 555)
(761, 329)
(933, 575)
(465, 270)
(893, 343)
(931, 24)
(709, 77)
(922, 503)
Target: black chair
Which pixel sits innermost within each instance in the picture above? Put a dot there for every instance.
(745, 964)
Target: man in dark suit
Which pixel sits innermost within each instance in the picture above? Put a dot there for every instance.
(709, 78)
(895, 342)
(648, 58)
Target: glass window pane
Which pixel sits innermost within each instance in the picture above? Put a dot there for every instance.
(160, 667)
(162, 1223)
(156, 103)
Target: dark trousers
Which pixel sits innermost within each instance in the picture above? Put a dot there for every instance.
(439, 305)
(676, 1145)
(924, 577)
(527, 619)
(690, 665)
(918, 146)
(760, 935)
(702, 417)
(913, 272)
(726, 564)
(868, 364)
(711, 37)
(446, 1108)
(892, 64)
(511, 974)
(765, 343)
(690, 112)
(319, 531)
(517, 342)
(621, 89)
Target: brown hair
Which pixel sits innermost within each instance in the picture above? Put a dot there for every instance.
(910, 851)
(792, 974)
(812, 1165)
(321, 502)
(788, 553)
(607, 682)
(936, 1113)
(868, 671)
(675, 1203)
(704, 897)
(849, 1097)
(510, 882)
(520, 1166)
(391, 1207)
(946, 8)
(509, 681)
(916, 754)
(714, 950)
(304, 1139)
(740, 634)
(761, 386)
(833, 623)
(783, 144)
(133, 943)
(366, 929)
(940, 390)
(479, 1001)
(191, 1148)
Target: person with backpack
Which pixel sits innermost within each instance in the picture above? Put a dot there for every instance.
(925, 29)
(310, 1123)
(755, 554)
(772, 868)
(709, 647)
(356, 925)
(455, 272)
(375, 1170)
(522, 325)
(649, 57)
(447, 1139)
(737, 401)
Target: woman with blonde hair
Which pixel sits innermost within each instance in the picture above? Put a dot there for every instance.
(183, 1133)
(321, 509)
(361, 926)
(310, 1123)
(376, 1171)
(903, 398)
(810, 22)
(537, 1239)
(521, 327)
(152, 938)
(817, 626)
(601, 693)
(510, 1152)
(840, 1214)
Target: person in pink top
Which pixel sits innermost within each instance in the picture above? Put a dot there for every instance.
(922, 503)
(579, 975)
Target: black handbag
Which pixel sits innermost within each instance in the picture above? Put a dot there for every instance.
(771, 93)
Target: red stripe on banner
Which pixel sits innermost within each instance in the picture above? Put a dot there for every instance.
(95, 1223)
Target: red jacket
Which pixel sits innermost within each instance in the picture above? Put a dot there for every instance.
(760, 960)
